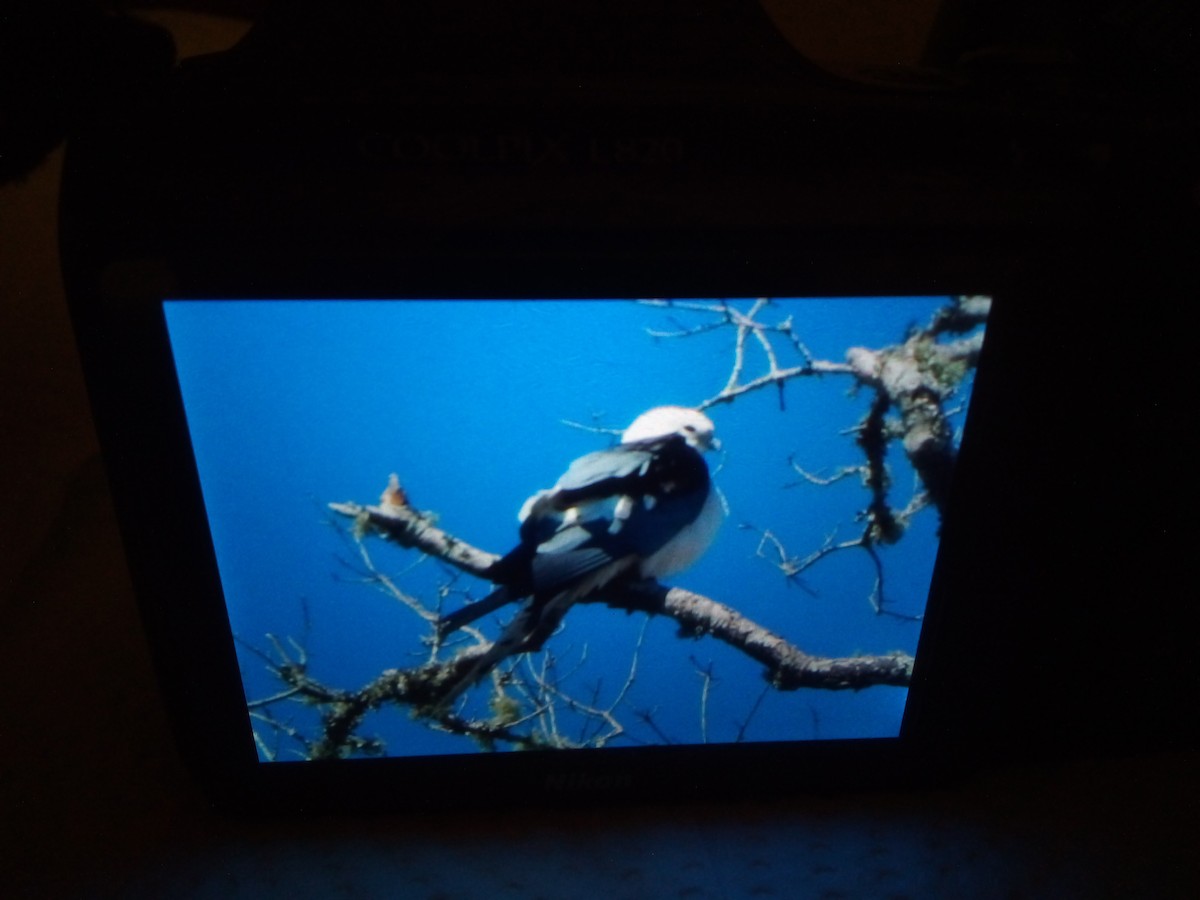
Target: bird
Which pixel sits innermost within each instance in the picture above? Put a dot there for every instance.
(646, 508)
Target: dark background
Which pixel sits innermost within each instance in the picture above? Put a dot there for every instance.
(1091, 793)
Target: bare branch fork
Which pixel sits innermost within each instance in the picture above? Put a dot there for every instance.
(913, 378)
(747, 326)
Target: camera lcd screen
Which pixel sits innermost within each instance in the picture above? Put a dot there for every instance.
(364, 464)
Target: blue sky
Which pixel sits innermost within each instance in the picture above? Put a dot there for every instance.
(292, 405)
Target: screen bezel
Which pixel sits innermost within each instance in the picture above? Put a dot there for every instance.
(140, 417)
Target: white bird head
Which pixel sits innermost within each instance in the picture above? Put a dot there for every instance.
(663, 421)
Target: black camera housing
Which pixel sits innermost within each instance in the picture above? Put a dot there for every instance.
(671, 149)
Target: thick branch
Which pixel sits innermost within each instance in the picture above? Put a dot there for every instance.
(915, 378)
(788, 667)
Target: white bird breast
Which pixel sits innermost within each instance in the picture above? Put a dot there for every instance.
(690, 544)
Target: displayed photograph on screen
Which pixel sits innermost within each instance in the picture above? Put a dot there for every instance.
(462, 526)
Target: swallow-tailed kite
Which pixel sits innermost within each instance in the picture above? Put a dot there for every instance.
(643, 509)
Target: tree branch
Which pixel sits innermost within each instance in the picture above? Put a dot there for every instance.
(397, 521)
(788, 667)
(913, 378)
(747, 325)
(916, 377)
